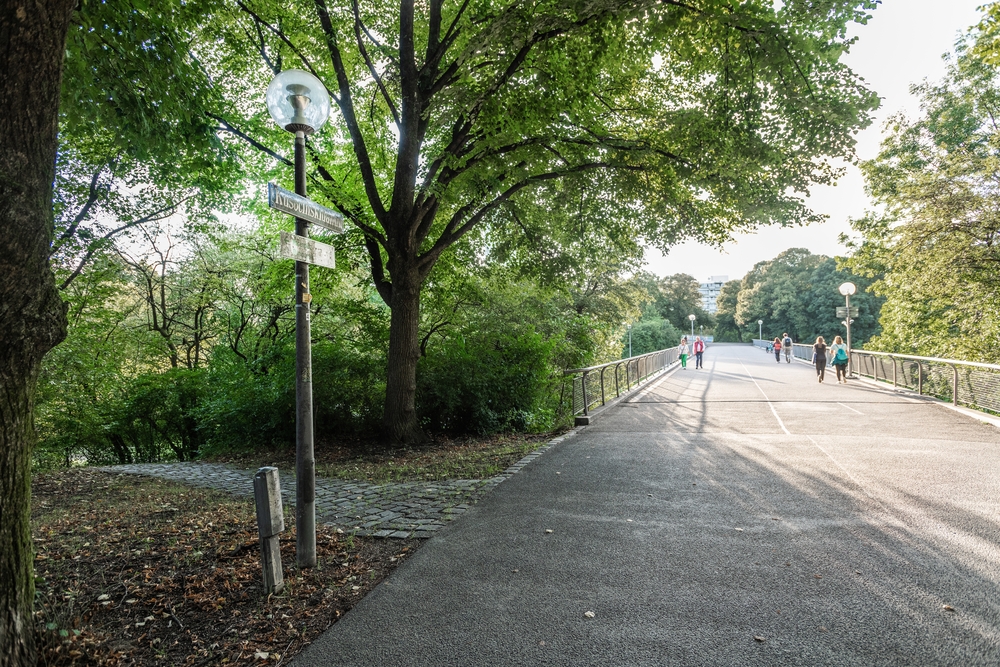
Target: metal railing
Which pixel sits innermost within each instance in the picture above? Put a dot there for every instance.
(594, 386)
(967, 383)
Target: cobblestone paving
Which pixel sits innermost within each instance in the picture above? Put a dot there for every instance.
(408, 509)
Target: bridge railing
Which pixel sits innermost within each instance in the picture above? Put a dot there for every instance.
(594, 386)
(968, 383)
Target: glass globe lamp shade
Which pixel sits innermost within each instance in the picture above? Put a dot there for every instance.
(847, 289)
(692, 318)
(298, 101)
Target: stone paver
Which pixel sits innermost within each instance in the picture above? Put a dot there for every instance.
(398, 510)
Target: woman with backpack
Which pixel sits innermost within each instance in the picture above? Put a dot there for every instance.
(840, 358)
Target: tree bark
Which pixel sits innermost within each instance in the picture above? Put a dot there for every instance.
(399, 421)
(32, 316)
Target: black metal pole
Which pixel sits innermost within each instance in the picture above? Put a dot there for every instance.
(305, 461)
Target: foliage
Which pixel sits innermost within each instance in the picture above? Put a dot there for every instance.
(726, 328)
(651, 334)
(797, 293)
(608, 123)
(933, 247)
(494, 357)
(677, 297)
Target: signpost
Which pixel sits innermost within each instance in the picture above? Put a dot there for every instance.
(844, 311)
(282, 200)
(304, 251)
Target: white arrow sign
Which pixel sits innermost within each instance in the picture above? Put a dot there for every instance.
(306, 250)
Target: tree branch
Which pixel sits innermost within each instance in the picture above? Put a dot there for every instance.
(358, 25)
(227, 127)
(346, 104)
(84, 211)
(160, 214)
(280, 35)
(455, 229)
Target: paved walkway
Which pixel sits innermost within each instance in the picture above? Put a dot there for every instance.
(412, 509)
(739, 515)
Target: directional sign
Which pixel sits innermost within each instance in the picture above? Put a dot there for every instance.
(301, 207)
(306, 250)
(842, 312)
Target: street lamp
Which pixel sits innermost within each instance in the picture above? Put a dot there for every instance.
(692, 318)
(629, 341)
(760, 329)
(298, 102)
(847, 289)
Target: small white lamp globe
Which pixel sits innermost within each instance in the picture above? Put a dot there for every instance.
(298, 101)
(847, 289)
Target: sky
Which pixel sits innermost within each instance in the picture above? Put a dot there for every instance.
(902, 44)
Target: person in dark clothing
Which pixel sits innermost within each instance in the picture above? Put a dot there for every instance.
(777, 350)
(819, 357)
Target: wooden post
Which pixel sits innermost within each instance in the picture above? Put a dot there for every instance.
(270, 522)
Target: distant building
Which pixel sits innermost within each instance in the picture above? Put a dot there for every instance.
(710, 292)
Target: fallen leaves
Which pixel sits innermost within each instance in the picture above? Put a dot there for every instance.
(179, 587)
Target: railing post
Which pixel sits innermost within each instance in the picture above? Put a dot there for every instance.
(954, 386)
(603, 400)
(618, 391)
(874, 369)
(920, 379)
(583, 385)
(893, 359)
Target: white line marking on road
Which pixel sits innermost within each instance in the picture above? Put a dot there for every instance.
(864, 489)
(773, 411)
(850, 408)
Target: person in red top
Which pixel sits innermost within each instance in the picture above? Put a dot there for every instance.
(777, 350)
(699, 349)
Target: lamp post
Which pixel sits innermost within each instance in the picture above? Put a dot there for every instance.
(629, 342)
(298, 102)
(692, 318)
(847, 289)
(760, 329)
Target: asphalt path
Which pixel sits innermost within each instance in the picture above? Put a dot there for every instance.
(743, 514)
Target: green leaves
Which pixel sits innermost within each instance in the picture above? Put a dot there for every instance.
(933, 245)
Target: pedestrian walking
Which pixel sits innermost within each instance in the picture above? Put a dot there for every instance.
(699, 351)
(786, 345)
(819, 357)
(777, 349)
(683, 350)
(838, 351)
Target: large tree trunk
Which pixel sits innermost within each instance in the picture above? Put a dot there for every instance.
(399, 421)
(32, 316)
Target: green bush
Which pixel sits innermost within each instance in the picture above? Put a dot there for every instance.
(651, 335)
(486, 383)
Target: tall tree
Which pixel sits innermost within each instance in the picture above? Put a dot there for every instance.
(32, 317)
(934, 248)
(726, 327)
(677, 118)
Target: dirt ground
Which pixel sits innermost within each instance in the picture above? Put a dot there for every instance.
(138, 571)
